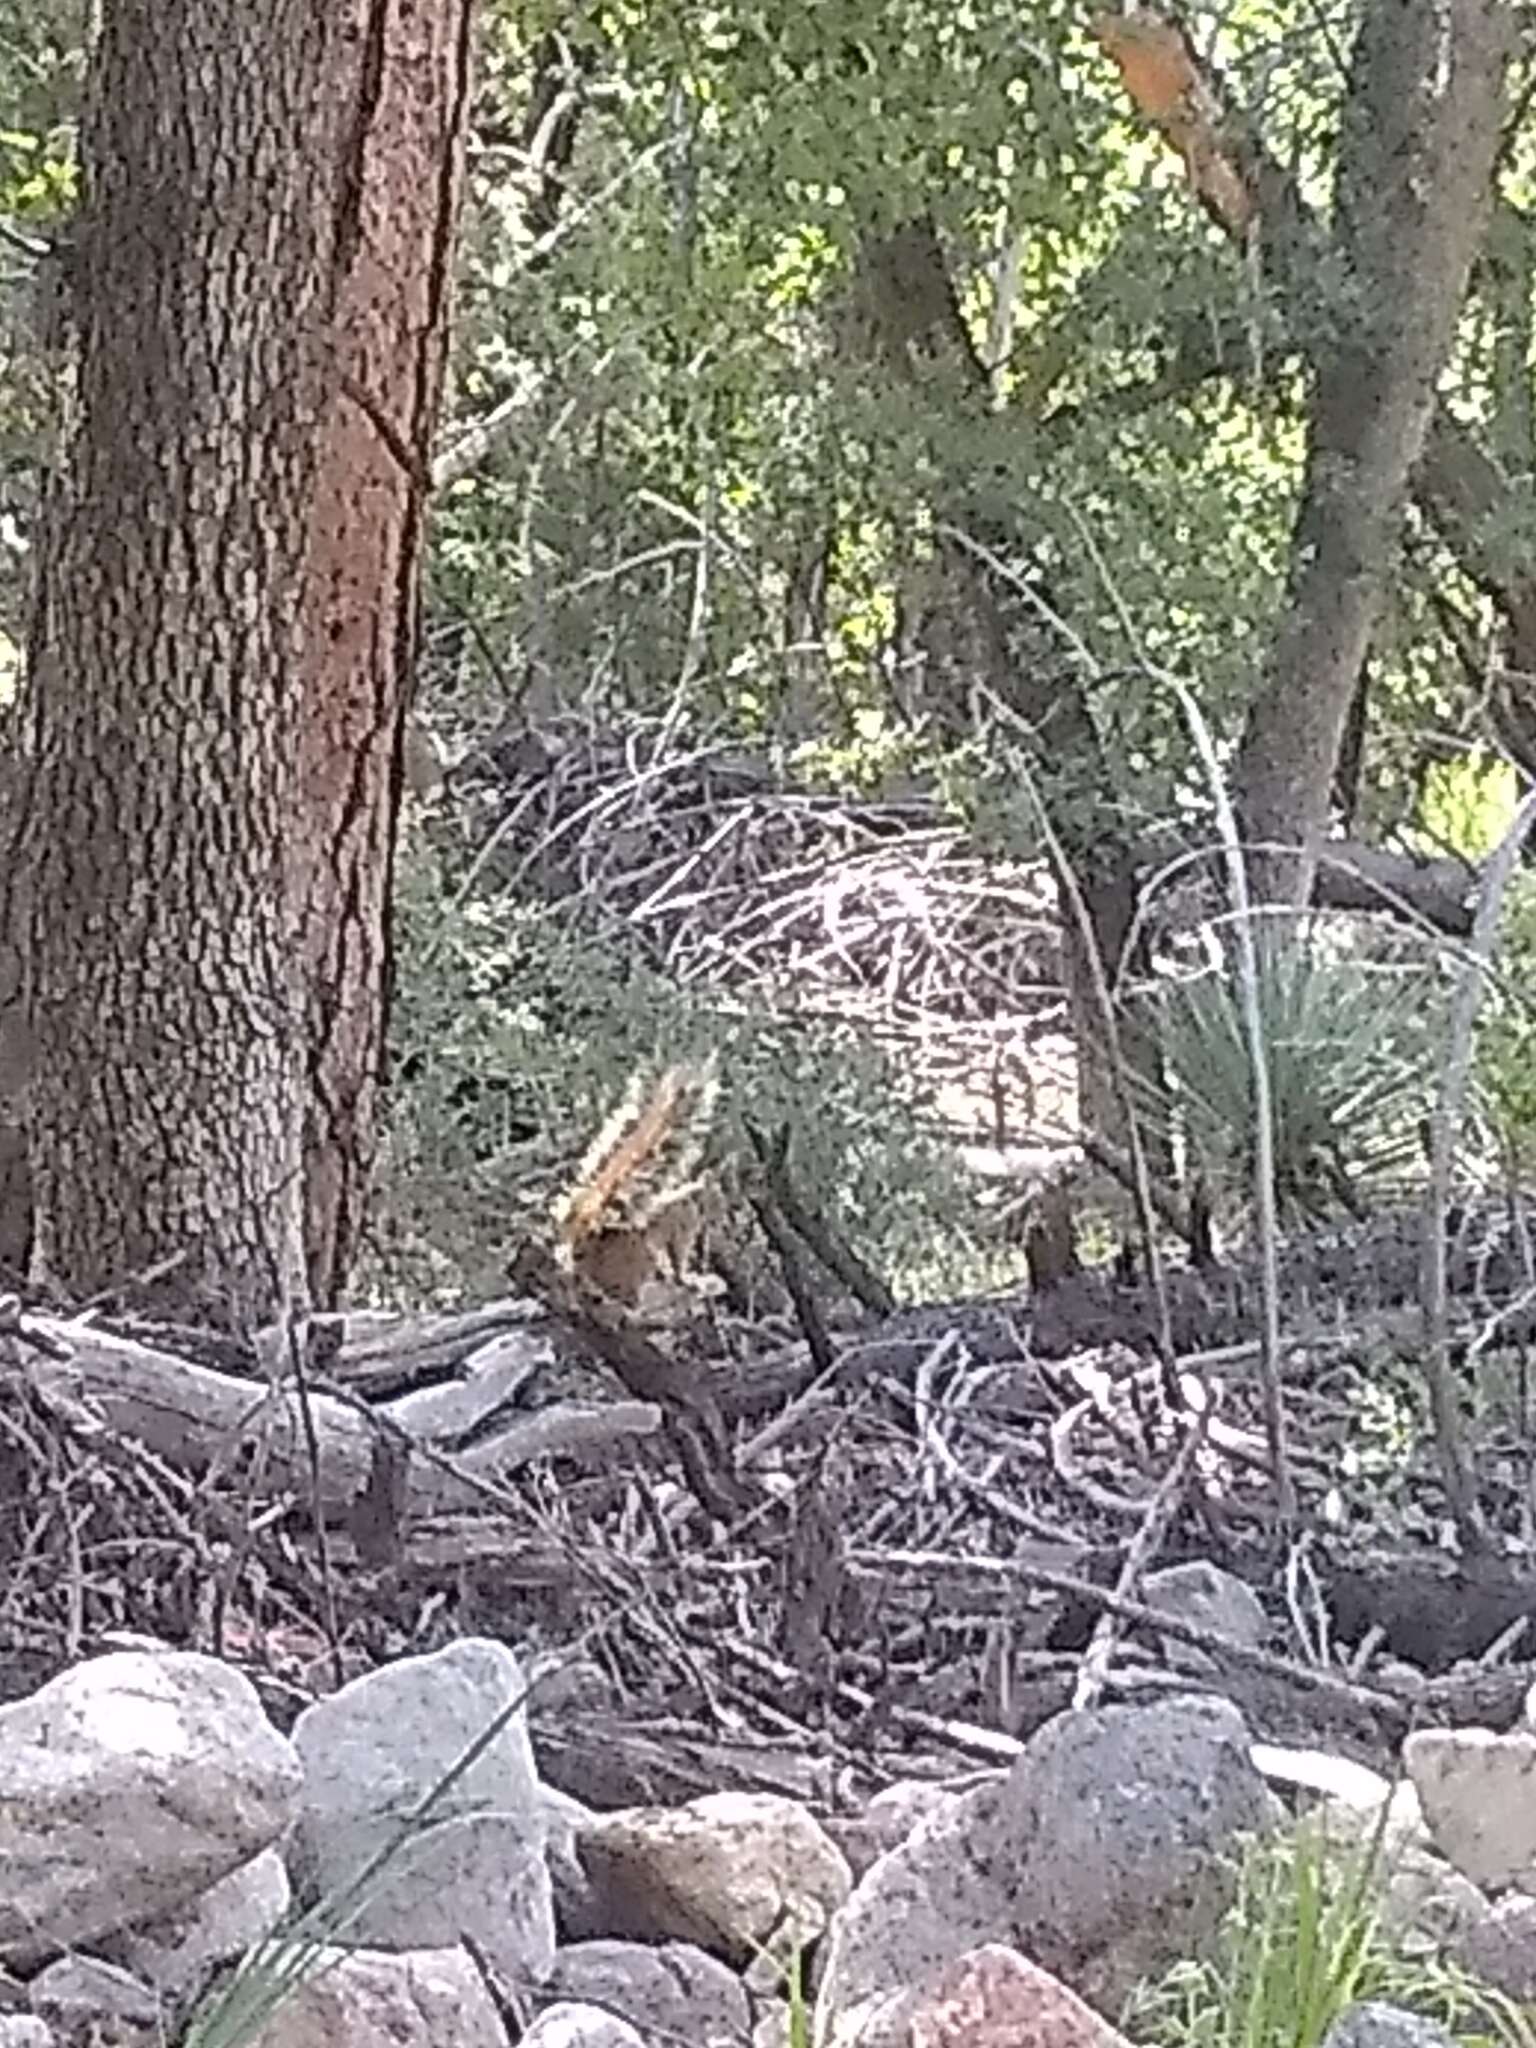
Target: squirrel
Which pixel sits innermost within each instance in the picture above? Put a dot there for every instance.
(631, 1222)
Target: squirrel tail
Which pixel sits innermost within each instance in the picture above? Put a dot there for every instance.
(645, 1155)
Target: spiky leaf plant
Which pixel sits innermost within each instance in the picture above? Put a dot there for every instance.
(1348, 1046)
(1506, 1035)
(311, 1944)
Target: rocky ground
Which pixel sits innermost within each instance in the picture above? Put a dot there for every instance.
(944, 1667)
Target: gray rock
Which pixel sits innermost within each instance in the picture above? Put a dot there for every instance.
(179, 1954)
(737, 1873)
(1375, 2024)
(372, 1753)
(1126, 1812)
(1478, 1792)
(672, 1992)
(1500, 1948)
(130, 1784)
(1204, 1595)
(580, 2026)
(76, 1994)
(578, 1911)
(362, 1998)
(1098, 1857)
(25, 2030)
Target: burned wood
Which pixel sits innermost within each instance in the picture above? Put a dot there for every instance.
(679, 1385)
(797, 1280)
(839, 1257)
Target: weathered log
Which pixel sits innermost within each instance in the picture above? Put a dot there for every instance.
(201, 1420)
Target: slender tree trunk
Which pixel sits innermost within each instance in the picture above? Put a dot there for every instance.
(165, 680)
(1474, 500)
(403, 104)
(1422, 126)
(1477, 509)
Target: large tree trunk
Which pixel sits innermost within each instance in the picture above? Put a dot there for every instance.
(1416, 157)
(164, 681)
(405, 107)
(204, 815)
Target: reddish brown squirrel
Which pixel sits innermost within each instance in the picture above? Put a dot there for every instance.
(631, 1222)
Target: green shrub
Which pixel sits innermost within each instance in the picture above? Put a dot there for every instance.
(515, 1031)
(1506, 1040)
(1349, 1050)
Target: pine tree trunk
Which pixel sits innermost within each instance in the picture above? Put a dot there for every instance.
(165, 682)
(200, 830)
(411, 79)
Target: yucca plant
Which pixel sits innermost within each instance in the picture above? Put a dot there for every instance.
(1348, 1049)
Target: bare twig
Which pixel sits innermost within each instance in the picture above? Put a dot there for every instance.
(786, 1246)
(840, 1259)
(1142, 1548)
(1263, 1105)
(1399, 1706)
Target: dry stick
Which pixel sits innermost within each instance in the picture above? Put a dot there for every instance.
(836, 1255)
(295, 1334)
(786, 1247)
(1399, 1705)
(1094, 1669)
(1151, 1249)
(1253, 1031)
(1460, 1487)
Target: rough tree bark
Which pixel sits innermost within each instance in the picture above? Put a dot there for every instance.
(1422, 122)
(163, 674)
(203, 817)
(403, 97)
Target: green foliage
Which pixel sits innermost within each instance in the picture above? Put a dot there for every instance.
(799, 2005)
(1301, 1943)
(1305, 1939)
(1506, 1036)
(42, 46)
(700, 433)
(712, 470)
(1388, 1420)
(652, 527)
(791, 1973)
(1468, 802)
(40, 67)
(1348, 1047)
(516, 1029)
